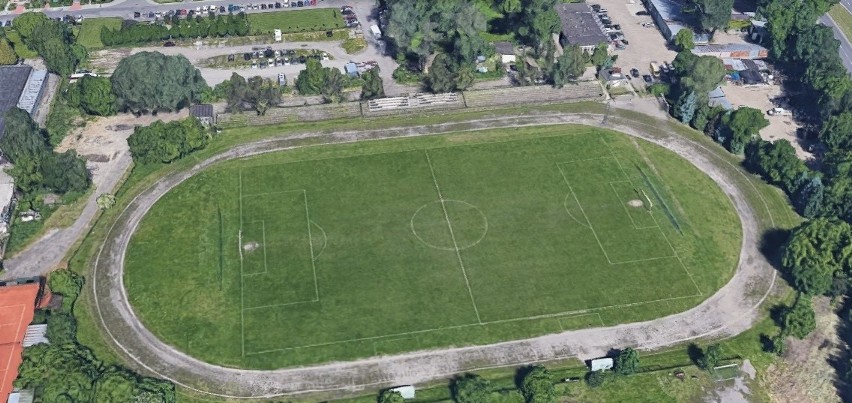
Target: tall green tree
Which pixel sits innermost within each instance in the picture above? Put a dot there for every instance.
(389, 396)
(152, 82)
(117, 384)
(63, 373)
(627, 361)
(61, 328)
(537, 386)
(569, 66)
(816, 252)
(446, 75)
(311, 80)
(538, 21)
(712, 357)
(837, 131)
(470, 388)
(683, 40)
(372, 87)
(96, 97)
(713, 14)
(743, 125)
(166, 142)
(26, 23)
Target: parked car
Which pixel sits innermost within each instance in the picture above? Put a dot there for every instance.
(246, 56)
(648, 79)
(169, 44)
(642, 13)
(137, 14)
(634, 72)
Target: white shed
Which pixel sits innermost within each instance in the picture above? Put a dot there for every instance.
(602, 364)
(407, 391)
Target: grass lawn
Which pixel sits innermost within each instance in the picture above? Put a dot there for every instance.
(329, 253)
(90, 33)
(317, 19)
(18, 45)
(843, 18)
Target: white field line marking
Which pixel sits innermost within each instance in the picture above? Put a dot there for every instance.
(645, 260)
(311, 244)
(591, 227)
(242, 278)
(437, 329)
(568, 211)
(307, 301)
(453, 237)
(324, 240)
(263, 245)
(622, 203)
(663, 233)
(273, 193)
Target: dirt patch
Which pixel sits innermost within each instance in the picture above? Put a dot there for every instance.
(635, 203)
(251, 246)
(760, 97)
(804, 374)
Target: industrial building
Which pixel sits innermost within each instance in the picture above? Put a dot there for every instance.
(670, 18)
(23, 88)
(580, 26)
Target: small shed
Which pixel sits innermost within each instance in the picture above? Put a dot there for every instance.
(601, 364)
(204, 113)
(351, 69)
(506, 52)
(36, 334)
(407, 391)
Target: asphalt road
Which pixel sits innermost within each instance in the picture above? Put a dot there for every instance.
(845, 46)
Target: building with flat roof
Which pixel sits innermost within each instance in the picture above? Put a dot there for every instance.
(12, 81)
(204, 113)
(670, 19)
(732, 51)
(580, 26)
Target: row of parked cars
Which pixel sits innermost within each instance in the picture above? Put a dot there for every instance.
(616, 36)
(349, 16)
(230, 8)
(268, 57)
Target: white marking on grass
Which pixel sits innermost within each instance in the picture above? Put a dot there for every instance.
(567, 210)
(242, 281)
(591, 227)
(644, 260)
(587, 311)
(460, 247)
(307, 301)
(453, 237)
(311, 244)
(324, 240)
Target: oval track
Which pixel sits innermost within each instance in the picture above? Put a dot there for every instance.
(729, 311)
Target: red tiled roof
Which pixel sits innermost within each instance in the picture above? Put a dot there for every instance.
(17, 306)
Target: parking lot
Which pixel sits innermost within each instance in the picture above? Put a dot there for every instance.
(645, 43)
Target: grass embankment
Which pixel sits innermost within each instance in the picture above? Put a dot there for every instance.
(843, 18)
(90, 32)
(317, 19)
(777, 214)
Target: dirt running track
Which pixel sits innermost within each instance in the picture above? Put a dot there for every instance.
(730, 311)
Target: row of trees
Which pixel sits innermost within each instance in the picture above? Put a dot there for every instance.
(256, 93)
(134, 33)
(317, 80)
(52, 40)
(65, 371)
(36, 166)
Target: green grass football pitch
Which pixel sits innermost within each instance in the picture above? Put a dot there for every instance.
(338, 252)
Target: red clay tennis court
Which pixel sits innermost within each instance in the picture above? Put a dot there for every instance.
(17, 305)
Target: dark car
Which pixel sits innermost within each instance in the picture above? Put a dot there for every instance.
(300, 3)
(263, 6)
(277, 5)
(246, 56)
(137, 14)
(634, 72)
(230, 58)
(269, 53)
(222, 9)
(302, 59)
(642, 13)
(169, 44)
(648, 79)
(329, 34)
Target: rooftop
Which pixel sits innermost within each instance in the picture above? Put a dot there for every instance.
(17, 306)
(504, 48)
(579, 26)
(670, 10)
(32, 90)
(12, 80)
(201, 111)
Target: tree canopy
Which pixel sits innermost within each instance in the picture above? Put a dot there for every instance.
(318, 80)
(799, 320)
(373, 87)
(152, 82)
(389, 396)
(166, 142)
(470, 388)
(698, 73)
(683, 40)
(713, 14)
(569, 66)
(256, 93)
(816, 252)
(537, 386)
(446, 75)
(743, 125)
(95, 96)
(7, 53)
(627, 361)
(711, 357)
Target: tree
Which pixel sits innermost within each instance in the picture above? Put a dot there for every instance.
(64, 172)
(389, 396)
(683, 40)
(166, 142)
(96, 97)
(600, 56)
(61, 328)
(743, 125)
(799, 320)
(26, 23)
(117, 384)
(809, 198)
(837, 167)
(105, 201)
(685, 106)
(310, 80)
(698, 73)
(837, 131)
(445, 75)
(538, 21)
(7, 53)
(569, 66)
(776, 162)
(537, 386)
(332, 88)
(372, 87)
(152, 82)
(627, 361)
(711, 358)
(596, 378)
(816, 252)
(22, 138)
(61, 372)
(470, 388)
(714, 14)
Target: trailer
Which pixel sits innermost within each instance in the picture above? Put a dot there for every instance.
(376, 31)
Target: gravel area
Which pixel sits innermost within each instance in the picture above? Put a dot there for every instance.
(730, 311)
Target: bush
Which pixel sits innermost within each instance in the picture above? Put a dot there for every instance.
(627, 361)
(596, 378)
(61, 328)
(166, 142)
(537, 386)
